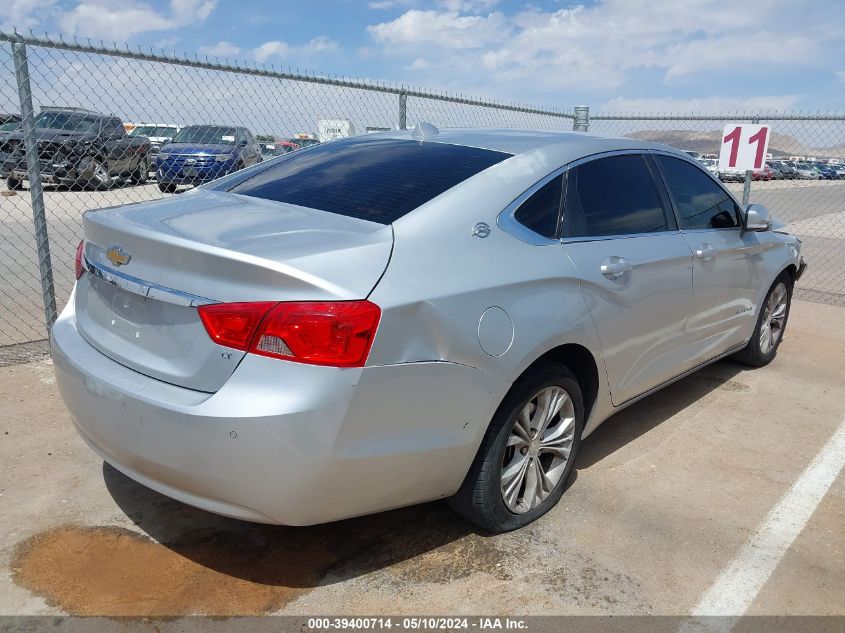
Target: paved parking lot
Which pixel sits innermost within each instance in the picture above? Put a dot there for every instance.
(814, 210)
(667, 494)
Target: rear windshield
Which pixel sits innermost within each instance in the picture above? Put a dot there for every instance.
(379, 180)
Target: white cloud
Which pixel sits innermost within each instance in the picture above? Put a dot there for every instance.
(468, 6)
(24, 14)
(601, 45)
(276, 48)
(221, 49)
(110, 19)
(448, 29)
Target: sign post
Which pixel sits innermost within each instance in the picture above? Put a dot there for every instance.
(744, 148)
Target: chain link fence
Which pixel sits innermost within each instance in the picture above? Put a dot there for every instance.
(84, 126)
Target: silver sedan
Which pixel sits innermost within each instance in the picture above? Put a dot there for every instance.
(395, 318)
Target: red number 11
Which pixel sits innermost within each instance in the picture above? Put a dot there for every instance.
(759, 138)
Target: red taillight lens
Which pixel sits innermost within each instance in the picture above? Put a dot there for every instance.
(337, 333)
(233, 324)
(78, 265)
(321, 333)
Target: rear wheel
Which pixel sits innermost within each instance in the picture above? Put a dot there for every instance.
(167, 187)
(142, 172)
(527, 454)
(14, 184)
(771, 323)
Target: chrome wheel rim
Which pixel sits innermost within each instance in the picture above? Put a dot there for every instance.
(100, 172)
(538, 449)
(774, 318)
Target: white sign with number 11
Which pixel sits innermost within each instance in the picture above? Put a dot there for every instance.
(744, 147)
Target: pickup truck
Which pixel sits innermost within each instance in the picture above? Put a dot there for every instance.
(77, 148)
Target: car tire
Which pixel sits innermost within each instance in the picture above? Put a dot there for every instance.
(509, 459)
(771, 324)
(142, 172)
(14, 184)
(94, 173)
(167, 187)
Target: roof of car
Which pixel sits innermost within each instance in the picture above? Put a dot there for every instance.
(515, 141)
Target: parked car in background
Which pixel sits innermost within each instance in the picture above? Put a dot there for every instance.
(9, 122)
(77, 147)
(807, 171)
(782, 170)
(158, 133)
(826, 172)
(764, 173)
(199, 153)
(281, 346)
(732, 175)
(711, 164)
(840, 171)
(302, 142)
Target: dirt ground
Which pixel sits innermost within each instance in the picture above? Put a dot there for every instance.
(666, 494)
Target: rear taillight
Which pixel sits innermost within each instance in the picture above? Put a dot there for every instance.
(233, 324)
(78, 263)
(336, 333)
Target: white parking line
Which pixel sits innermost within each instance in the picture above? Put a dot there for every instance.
(737, 586)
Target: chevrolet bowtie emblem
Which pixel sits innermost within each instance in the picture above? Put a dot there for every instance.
(117, 256)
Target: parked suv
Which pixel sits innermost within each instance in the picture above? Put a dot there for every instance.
(199, 153)
(77, 147)
(394, 318)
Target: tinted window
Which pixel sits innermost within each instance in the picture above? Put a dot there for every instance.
(612, 196)
(701, 203)
(541, 211)
(373, 179)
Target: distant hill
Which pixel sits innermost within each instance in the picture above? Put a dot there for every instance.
(709, 143)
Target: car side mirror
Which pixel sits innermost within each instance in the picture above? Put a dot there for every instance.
(243, 142)
(757, 218)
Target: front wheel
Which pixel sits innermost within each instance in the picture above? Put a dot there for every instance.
(771, 323)
(167, 187)
(14, 184)
(527, 454)
(94, 173)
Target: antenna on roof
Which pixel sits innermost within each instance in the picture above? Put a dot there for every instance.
(424, 130)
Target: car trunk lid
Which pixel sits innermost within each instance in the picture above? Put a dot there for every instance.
(139, 307)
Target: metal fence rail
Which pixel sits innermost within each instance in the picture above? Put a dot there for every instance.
(41, 214)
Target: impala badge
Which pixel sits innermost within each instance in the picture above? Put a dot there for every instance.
(117, 256)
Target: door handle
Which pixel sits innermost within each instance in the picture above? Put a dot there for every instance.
(705, 251)
(615, 267)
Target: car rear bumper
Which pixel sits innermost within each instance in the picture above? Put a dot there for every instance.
(282, 442)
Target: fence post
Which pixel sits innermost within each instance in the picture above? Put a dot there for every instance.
(581, 123)
(403, 110)
(749, 176)
(36, 191)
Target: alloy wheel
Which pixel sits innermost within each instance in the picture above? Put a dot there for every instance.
(774, 318)
(538, 449)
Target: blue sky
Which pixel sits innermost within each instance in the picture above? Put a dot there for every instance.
(615, 55)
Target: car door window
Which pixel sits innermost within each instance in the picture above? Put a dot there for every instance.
(541, 212)
(113, 128)
(613, 196)
(701, 202)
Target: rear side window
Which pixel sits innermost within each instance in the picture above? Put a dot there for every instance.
(372, 179)
(612, 196)
(541, 212)
(701, 203)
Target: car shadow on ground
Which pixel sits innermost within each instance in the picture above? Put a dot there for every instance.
(305, 557)
(641, 417)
